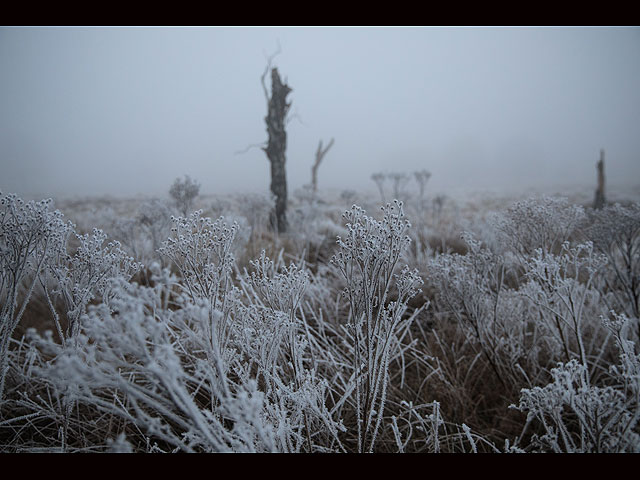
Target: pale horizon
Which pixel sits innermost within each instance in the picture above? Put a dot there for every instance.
(126, 110)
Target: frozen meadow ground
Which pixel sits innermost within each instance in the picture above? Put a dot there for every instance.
(449, 322)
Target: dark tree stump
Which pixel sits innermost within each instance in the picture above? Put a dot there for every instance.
(277, 146)
(599, 200)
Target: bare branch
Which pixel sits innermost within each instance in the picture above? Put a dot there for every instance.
(249, 147)
(320, 153)
(295, 115)
(266, 70)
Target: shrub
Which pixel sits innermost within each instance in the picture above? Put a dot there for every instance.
(578, 416)
(538, 223)
(184, 193)
(615, 232)
(30, 236)
(343, 356)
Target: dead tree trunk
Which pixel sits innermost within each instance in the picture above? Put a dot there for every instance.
(277, 108)
(599, 200)
(320, 153)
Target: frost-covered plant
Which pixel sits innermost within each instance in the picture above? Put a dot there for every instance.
(79, 279)
(367, 259)
(30, 235)
(202, 251)
(87, 274)
(437, 206)
(288, 371)
(256, 208)
(35, 405)
(348, 196)
(421, 431)
(142, 233)
(243, 235)
(275, 352)
(578, 416)
(184, 193)
(421, 428)
(259, 332)
(473, 290)
(305, 217)
(615, 232)
(561, 287)
(538, 223)
(127, 231)
(315, 357)
(154, 216)
(140, 362)
(279, 290)
(628, 371)
(156, 367)
(435, 230)
(312, 231)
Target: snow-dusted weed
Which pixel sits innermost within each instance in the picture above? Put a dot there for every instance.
(286, 351)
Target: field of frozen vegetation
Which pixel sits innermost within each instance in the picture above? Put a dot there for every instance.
(395, 320)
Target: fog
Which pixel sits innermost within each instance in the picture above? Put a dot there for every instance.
(124, 111)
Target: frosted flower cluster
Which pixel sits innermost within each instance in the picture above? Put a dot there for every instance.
(367, 259)
(215, 345)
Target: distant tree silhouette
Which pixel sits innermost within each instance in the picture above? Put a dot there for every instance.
(599, 200)
(422, 177)
(320, 153)
(379, 178)
(399, 180)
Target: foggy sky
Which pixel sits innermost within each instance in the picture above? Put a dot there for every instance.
(127, 110)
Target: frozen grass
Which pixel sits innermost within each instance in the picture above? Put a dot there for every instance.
(476, 323)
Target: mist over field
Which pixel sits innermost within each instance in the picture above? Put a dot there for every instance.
(442, 254)
(127, 110)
